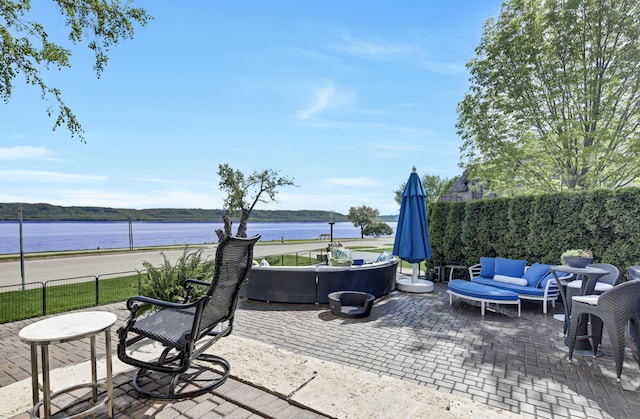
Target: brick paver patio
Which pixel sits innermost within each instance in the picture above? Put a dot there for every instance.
(500, 360)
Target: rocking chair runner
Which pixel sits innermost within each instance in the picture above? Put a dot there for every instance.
(187, 330)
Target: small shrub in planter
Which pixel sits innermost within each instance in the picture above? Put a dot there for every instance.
(578, 258)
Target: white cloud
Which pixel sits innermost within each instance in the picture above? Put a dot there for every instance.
(446, 68)
(46, 176)
(320, 102)
(369, 49)
(115, 199)
(24, 153)
(153, 199)
(359, 181)
(163, 181)
(335, 200)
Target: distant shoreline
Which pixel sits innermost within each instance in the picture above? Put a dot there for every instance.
(54, 213)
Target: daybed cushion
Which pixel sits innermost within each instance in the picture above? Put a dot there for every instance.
(488, 267)
(509, 267)
(520, 289)
(473, 289)
(536, 273)
(511, 280)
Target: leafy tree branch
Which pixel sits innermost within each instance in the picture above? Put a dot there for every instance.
(27, 49)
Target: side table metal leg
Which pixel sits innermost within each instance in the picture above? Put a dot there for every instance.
(35, 390)
(46, 382)
(107, 338)
(94, 373)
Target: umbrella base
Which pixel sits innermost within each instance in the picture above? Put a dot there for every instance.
(406, 284)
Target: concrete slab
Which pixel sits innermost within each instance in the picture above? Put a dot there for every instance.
(340, 391)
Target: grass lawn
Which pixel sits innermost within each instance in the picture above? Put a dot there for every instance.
(32, 302)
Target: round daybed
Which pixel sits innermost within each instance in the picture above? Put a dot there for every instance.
(313, 284)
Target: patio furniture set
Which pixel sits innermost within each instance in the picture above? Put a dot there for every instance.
(592, 298)
(186, 330)
(507, 281)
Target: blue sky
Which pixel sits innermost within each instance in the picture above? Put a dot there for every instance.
(342, 96)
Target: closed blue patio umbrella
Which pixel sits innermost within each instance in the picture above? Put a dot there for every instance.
(411, 241)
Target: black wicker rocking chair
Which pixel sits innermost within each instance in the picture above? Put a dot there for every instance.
(187, 330)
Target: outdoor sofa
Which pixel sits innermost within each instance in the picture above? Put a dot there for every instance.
(534, 282)
(313, 284)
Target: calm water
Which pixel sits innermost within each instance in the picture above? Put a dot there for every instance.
(53, 236)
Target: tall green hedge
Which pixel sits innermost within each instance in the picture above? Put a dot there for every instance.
(453, 244)
(540, 228)
(437, 214)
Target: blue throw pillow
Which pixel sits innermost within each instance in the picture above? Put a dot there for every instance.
(535, 273)
(510, 267)
(545, 279)
(488, 267)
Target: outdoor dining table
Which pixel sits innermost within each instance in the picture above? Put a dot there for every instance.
(589, 278)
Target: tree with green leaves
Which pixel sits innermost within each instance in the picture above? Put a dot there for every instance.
(377, 229)
(433, 185)
(554, 101)
(362, 216)
(28, 50)
(244, 192)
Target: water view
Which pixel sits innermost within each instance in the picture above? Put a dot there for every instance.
(56, 236)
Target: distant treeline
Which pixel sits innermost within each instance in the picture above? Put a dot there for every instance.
(47, 212)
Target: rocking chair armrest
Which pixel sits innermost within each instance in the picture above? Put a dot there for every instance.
(188, 287)
(133, 307)
(188, 282)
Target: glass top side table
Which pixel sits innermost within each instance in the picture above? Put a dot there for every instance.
(67, 328)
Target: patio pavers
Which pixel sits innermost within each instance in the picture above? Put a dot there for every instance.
(499, 360)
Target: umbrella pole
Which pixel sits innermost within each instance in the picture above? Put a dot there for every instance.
(414, 275)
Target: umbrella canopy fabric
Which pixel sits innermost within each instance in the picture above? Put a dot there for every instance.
(411, 242)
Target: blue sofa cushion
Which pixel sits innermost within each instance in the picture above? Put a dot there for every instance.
(509, 267)
(488, 267)
(543, 282)
(476, 290)
(537, 292)
(535, 273)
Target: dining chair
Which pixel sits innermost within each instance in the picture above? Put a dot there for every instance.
(604, 283)
(614, 309)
